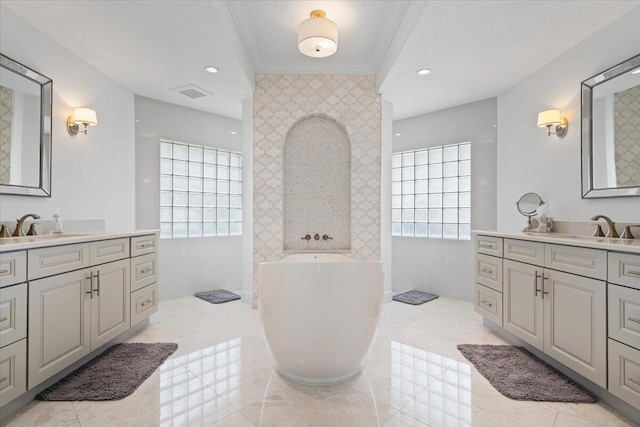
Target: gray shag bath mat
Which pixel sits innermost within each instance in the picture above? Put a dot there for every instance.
(218, 296)
(414, 297)
(519, 375)
(113, 375)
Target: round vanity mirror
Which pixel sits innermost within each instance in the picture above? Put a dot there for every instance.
(528, 206)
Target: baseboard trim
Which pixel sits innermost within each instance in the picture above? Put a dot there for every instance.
(388, 296)
(247, 297)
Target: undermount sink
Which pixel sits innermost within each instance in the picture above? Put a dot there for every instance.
(38, 238)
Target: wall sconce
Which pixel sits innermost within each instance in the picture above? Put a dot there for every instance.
(81, 116)
(551, 118)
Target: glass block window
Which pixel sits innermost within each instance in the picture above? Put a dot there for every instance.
(200, 191)
(431, 192)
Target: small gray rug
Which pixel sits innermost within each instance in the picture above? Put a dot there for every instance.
(113, 375)
(519, 375)
(414, 297)
(218, 296)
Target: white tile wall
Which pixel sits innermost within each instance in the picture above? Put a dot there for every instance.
(279, 101)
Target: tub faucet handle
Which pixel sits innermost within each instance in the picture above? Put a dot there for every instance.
(316, 236)
(326, 237)
(307, 237)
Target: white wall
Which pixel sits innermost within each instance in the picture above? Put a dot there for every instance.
(439, 266)
(529, 160)
(186, 266)
(92, 174)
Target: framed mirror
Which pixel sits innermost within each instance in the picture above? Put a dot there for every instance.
(25, 130)
(611, 132)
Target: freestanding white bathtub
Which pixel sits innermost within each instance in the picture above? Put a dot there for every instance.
(319, 314)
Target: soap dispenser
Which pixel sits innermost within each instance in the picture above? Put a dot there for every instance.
(57, 223)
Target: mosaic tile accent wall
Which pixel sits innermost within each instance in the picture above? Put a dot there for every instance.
(6, 115)
(627, 135)
(317, 191)
(280, 100)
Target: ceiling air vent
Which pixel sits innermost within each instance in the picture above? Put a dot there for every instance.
(192, 91)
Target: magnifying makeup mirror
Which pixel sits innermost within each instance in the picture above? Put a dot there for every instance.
(528, 206)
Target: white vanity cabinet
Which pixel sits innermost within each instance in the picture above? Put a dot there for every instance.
(74, 313)
(555, 297)
(75, 299)
(13, 325)
(624, 326)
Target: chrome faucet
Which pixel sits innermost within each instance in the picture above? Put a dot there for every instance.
(612, 226)
(18, 231)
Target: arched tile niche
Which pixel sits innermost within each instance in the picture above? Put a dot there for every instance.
(317, 185)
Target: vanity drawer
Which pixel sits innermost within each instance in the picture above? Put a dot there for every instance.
(624, 372)
(13, 314)
(13, 268)
(143, 245)
(488, 303)
(489, 245)
(624, 269)
(144, 271)
(524, 251)
(488, 271)
(624, 315)
(59, 259)
(582, 261)
(13, 371)
(109, 250)
(144, 302)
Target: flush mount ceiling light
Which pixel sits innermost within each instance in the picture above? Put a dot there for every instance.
(318, 36)
(233, 132)
(211, 69)
(423, 72)
(397, 134)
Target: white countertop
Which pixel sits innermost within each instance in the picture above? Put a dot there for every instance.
(632, 246)
(45, 240)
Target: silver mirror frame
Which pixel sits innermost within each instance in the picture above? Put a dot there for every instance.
(46, 97)
(588, 192)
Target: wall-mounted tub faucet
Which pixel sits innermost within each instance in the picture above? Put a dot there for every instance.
(326, 237)
(612, 226)
(307, 237)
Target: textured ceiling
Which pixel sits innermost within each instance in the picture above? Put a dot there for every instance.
(476, 49)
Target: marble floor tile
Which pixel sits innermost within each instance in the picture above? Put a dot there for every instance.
(39, 413)
(223, 375)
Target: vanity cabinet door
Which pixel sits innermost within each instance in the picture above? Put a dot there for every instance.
(523, 305)
(59, 323)
(110, 303)
(576, 324)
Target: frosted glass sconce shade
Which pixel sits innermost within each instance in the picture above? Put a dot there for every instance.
(318, 36)
(81, 116)
(552, 118)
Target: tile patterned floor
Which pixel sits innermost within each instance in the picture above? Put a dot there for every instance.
(221, 375)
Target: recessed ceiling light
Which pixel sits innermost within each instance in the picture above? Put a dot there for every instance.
(397, 134)
(211, 69)
(636, 71)
(423, 72)
(233, 132)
